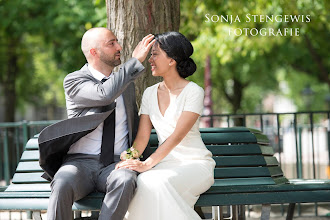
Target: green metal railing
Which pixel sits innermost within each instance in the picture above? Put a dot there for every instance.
(13, 137)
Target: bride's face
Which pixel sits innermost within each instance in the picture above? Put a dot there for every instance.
(159, 61)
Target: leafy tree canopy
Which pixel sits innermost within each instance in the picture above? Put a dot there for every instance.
(42, 39)
(245, 68)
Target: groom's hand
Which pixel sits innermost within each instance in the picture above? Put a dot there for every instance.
(142, 49)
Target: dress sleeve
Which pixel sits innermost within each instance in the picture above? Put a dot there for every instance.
(144, 108)
(195, 100)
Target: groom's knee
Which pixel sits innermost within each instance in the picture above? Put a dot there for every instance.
(123, 178)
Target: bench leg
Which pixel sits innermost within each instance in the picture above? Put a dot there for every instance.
(28, 214)
(290, 213)
(216, 210)
(199, 211)
(234, 212)
(241, 212)
(77, 214)
(238, 212)
(95, 214)
(36, 215)
(265, 212)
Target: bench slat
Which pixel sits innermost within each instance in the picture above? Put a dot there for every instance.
(226, 130)
(225, 138)
(220, 189)
(32, 144)
(266, 194)
(33, 155)
(245, 161)
(270, 197)
(37, 187)
(28, 178)
(30, 166)
(30, 155)
(220, 138)
(240, 172)
(261, 139)
(243, 149)
(244, 181)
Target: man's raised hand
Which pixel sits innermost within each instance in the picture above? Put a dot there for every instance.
(142, 49)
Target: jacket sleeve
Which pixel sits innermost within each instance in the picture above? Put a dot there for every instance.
(84, 92)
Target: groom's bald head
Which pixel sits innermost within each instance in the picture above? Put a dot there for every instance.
(92, 39)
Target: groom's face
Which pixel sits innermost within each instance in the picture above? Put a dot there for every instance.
(110, 49)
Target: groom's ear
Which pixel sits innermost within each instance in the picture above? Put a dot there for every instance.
(92, 51)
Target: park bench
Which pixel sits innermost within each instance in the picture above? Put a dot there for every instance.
(246, 173)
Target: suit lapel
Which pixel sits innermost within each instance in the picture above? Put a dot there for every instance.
(55, 140)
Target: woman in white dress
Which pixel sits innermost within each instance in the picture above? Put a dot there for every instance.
(181, 168)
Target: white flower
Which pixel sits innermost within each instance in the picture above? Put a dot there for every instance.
(130, 153)
(135, 154)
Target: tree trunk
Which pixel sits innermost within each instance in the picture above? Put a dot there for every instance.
(131, 20)
(9, 81)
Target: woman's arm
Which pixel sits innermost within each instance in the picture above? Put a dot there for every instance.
(184, 124)
(142, 137)
(143, 134)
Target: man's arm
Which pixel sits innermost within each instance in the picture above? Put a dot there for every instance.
(85, 92)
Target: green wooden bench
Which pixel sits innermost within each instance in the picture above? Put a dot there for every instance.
(246, 173)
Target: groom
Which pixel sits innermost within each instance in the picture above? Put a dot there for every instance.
(79, 154)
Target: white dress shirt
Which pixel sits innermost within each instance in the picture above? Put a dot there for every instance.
(91, 143)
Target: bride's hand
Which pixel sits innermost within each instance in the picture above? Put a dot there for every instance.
(139, 166)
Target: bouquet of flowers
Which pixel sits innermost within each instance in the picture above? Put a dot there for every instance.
(131, 153)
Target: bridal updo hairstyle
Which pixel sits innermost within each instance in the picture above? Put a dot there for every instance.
(179, 48)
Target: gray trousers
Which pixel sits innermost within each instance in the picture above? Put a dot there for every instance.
(82, 174)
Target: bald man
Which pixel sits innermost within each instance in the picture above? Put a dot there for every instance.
(92, 91)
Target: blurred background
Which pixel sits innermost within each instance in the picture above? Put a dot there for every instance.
(40, 44)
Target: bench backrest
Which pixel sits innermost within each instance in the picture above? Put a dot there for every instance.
(243, 157)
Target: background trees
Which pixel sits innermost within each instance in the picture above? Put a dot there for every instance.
(244, 68)
(40, 44)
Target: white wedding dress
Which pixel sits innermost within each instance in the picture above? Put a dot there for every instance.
(169, 190)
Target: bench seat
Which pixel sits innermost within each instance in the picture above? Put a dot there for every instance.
(246, 173)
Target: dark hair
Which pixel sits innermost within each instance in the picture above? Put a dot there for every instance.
(179, 48)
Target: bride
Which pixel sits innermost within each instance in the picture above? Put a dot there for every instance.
(172, 178)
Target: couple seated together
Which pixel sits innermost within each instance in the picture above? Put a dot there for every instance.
(87, 151)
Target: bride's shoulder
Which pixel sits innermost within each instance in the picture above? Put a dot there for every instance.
(195, 87)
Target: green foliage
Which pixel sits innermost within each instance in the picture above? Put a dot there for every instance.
(245, 68)
(45, 37)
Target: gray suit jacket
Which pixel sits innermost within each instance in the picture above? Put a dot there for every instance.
(89, 102)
